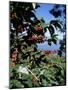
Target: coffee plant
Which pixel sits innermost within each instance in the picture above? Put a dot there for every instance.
(30, 67)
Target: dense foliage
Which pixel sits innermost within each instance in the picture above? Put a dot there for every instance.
(30, 67)
(59, 11)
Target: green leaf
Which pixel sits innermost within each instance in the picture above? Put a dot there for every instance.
(51, 29)
(56, 24)
(15, 84)
(37, 6)
(59, 25)
(44, 83)
(26, 80)
(49, 42)
(54, 41)
(25, 76)
(34, 5)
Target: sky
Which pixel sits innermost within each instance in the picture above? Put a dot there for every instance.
(45, 46)
(43, 12)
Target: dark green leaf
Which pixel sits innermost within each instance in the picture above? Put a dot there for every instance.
(54, 41)
(51, 29)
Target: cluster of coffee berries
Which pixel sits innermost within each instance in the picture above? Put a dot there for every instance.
(38, 28)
